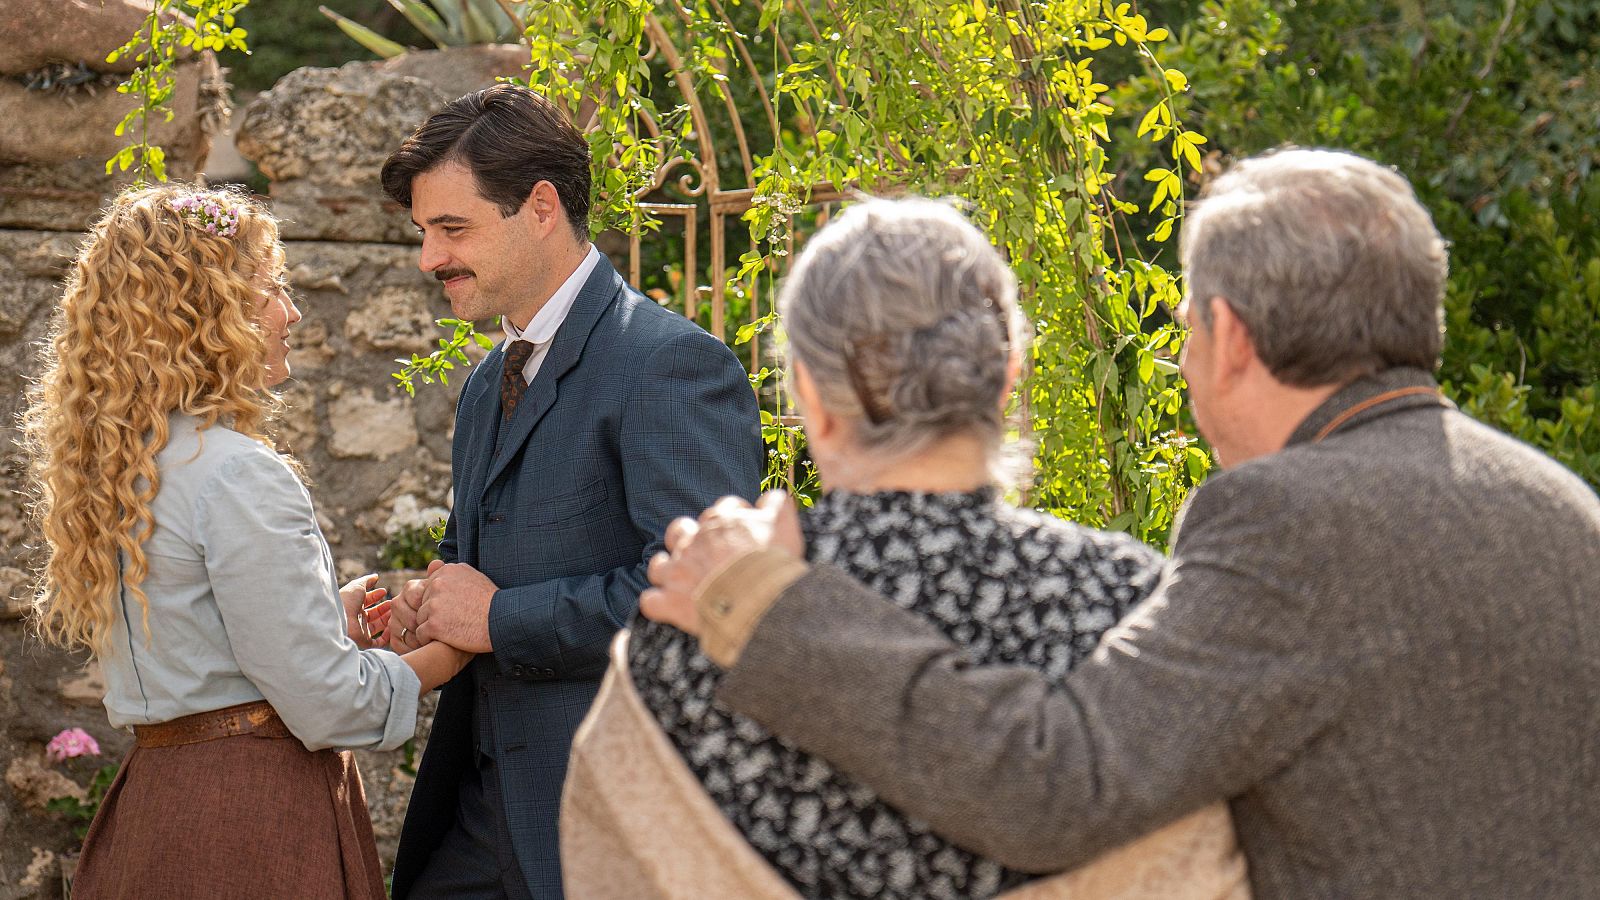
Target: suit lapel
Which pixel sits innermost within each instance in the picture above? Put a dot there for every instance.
(598, 292)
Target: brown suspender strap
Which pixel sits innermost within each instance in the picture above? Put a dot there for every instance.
(1369, 403)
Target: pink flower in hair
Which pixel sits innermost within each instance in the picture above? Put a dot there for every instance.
(209, 214)
(72, 742)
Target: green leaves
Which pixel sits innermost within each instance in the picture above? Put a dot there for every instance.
(447, 23)
(1157, 122)
(366, 37)
(1168, 186)
(770, 9)
(155, 47)
(747, 332)
(442, 361)
(82, 812)
(1185, 146)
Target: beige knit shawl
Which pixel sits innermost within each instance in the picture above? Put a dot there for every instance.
(636, 825)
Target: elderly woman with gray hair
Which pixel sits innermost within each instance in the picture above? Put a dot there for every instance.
(904, 343)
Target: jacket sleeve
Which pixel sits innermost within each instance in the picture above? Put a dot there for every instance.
(690, 434)
(1216, 680)
(273, 582)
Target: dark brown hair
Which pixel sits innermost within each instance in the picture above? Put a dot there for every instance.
(511, 138)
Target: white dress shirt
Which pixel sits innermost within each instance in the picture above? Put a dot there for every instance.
(550, 316)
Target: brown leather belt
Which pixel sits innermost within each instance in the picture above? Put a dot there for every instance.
(258, 718)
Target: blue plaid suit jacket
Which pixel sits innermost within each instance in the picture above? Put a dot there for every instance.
(635, 417)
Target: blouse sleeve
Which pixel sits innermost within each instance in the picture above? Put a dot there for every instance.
(273, 581)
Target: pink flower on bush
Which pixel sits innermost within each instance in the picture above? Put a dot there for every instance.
(70, 743)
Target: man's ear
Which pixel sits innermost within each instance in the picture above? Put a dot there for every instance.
(1013, 372)
(544, 208)
(1233, 349)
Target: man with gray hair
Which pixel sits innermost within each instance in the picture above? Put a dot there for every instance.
(1377, 637)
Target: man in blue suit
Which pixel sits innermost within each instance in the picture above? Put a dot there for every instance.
(599, 419)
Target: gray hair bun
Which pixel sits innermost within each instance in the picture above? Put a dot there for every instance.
(904, 315)
(951, 373)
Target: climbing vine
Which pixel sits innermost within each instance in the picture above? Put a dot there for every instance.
(165, 34)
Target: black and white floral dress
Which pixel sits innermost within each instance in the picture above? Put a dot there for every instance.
(1012, 586)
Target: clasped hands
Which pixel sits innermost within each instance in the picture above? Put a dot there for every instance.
(450, 604)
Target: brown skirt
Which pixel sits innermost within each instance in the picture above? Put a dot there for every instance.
(241, 817)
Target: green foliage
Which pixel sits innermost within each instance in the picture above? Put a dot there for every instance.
(447, 23)
(996, 103)
(589, 53)
(155, 48)
(408, 758)
(81, 812)
(1489, 109)
(441, 362)
(1523, 319)
(789, 468)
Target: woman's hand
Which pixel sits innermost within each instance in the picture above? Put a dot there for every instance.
(366, 615)
(461, 658)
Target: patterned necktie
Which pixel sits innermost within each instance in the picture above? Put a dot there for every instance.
(512, 384)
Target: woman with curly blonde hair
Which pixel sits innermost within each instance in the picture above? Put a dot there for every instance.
(181, 548)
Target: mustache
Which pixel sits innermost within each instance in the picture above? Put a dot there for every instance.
(447, 274)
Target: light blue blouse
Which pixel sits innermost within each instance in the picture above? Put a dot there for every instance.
(244, 606)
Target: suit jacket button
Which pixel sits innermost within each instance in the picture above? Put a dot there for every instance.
(549, 673)
(517, 671)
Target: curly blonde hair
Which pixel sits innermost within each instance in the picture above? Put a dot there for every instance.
(158, 316)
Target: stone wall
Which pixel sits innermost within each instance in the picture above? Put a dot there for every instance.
(367, 446)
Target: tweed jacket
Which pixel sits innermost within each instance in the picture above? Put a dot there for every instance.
(636, 417)
(1381, 647)
(637, 825)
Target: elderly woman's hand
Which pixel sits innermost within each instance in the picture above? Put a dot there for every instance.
(698, 550)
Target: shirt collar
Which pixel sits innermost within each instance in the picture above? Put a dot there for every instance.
(550, 316)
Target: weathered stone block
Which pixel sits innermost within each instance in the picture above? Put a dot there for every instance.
(36, 784)
(321, 135)
(55, 144)
(41, 869)
(86, 688)
(21, 301)
(364, 425)
(46, 127)
(72, 31)
(393, 319)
